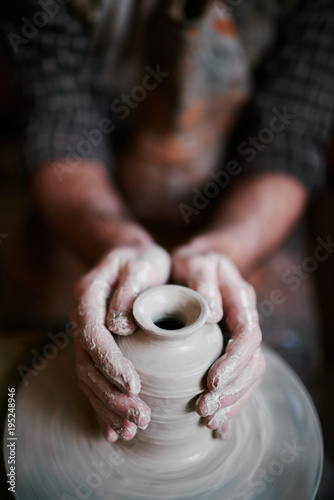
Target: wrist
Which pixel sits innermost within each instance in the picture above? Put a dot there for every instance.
(99, 231)
(86, 211)
(110, 232)
(228, 241)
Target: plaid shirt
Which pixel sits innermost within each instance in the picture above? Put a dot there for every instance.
(60, 76)
(58, 73)
(298, 80)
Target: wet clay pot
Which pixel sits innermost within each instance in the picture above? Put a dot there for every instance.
(172, 351)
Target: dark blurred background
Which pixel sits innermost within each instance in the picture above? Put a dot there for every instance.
(37, 273)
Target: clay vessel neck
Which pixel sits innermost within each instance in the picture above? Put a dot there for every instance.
(170, 312)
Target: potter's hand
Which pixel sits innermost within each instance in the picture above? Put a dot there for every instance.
(234, 376)
(108, 379)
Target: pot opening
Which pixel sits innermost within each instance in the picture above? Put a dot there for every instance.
(170, 323)
(170, 311)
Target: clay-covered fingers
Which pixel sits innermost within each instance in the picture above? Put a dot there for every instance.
(91, 297)
(233, 377)
(148, 268)
(131, 408)
(103, 300)
(209, 403)
(117, 279)
(123, 427)
(223, 415)
(109, 434)
(243, 327)
(200, 272)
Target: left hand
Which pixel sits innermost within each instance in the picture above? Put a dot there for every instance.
(233, 377)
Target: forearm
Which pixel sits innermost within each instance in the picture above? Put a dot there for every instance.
(254, 218)
(86, 210)
(77, 200)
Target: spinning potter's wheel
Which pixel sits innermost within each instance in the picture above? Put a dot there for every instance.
(275, 451)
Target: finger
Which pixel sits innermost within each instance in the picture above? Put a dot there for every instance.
(108, 432)
(242, 321)
(150, 268)
(125, 429)
(201, 274)
(132, 408)
(94, 336)
(214, 405)
(210, 402)
(222, 416)
(96, 285)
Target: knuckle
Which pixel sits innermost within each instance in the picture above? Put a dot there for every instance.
(135, 267)
(159, 253)
(87, 339)
(114, 254)
(248, 291)
(251, 291)
(223, 259)
(125, 294)
(112, 403)
(198, 261)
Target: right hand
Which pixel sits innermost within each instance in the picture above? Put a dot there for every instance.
(103, 303)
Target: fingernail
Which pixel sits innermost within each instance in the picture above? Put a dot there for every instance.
(216, 312)
(125, 376)
(132, 384)
(120, 322)
(144, 420)
(138, 417)
(208, 405)
(215, 382)
(143, 426)
(125, 429)
(128, 431)
(110, 436)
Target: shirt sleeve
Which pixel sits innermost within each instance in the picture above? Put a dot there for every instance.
(59, 77)
(293, 108)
